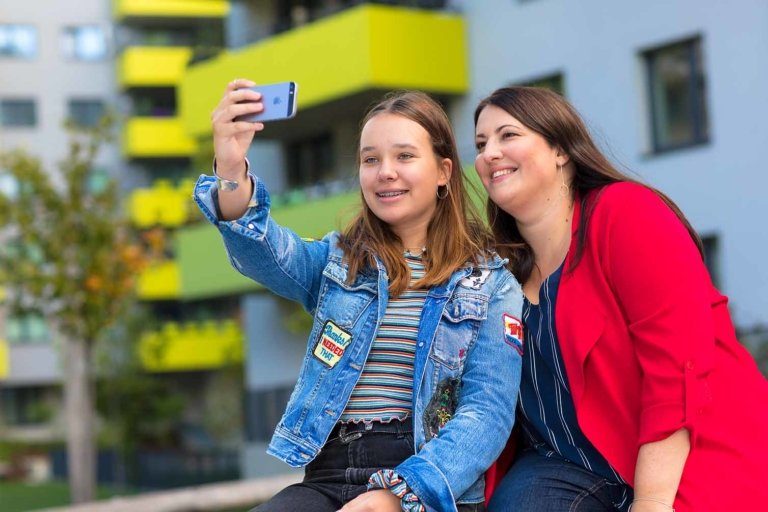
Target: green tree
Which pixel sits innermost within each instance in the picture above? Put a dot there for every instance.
(140, 410)
(67, 253)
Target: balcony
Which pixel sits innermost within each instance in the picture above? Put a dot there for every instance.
(162, 205)
(146, 9)
(152, 66)
(204, 267)
(4, 363)
(369, 47)
(159, 281)
(156, 137)
(192, 346)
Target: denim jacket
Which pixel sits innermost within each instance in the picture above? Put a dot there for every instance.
(467, 363)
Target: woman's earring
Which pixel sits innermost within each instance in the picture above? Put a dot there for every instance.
(565, 190)
(447, 192)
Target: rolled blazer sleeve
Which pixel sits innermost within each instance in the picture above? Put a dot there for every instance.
(665, 292)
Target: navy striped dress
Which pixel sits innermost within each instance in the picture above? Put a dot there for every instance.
(547, 414)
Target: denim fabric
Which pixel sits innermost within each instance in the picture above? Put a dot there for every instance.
(462, 355)
(342, 469)
(537, 483)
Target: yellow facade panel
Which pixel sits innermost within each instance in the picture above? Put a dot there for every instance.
(5, 365)
(162, 204)
(422, 50)
(159, 281)
(152, 66)
(156, 137)
(170, 8)
(192, 346)
(366, 47)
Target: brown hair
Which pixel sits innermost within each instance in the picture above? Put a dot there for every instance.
(455, 234)
(551, 116)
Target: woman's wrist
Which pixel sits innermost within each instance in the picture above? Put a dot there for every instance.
(648, 504)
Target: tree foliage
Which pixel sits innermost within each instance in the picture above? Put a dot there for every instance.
(67, 248)
(67, 254)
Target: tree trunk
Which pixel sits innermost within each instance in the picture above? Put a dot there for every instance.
(79, 412)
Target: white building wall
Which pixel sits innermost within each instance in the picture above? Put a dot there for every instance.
(596, 44)
(51, 79)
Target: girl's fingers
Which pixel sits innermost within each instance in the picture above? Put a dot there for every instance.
(230, 112)
(239, 83)
(232, 129)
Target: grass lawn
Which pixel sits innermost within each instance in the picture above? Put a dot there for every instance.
(19, 497)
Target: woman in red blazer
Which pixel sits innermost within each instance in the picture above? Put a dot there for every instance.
(662, 405)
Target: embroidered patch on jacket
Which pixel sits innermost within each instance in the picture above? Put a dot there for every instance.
(332, 344)
(441, 407)
(476, 279)
(513, 333)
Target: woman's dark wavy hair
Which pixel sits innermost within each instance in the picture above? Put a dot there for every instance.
(551, 116)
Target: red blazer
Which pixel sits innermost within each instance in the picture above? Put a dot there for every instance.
(649, 348)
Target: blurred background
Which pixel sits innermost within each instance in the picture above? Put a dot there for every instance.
(193, 377)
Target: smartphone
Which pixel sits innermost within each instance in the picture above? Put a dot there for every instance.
(279, 103)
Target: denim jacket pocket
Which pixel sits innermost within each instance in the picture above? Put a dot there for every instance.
(343, 302)
(458, 328)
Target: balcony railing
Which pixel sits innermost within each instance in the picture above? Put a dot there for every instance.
(159, 281)
(162, 204)
(156, 137)
(152, 66)
(4, 356)
(192, 346)
(204, 267)
(368, 47)
(142, 9)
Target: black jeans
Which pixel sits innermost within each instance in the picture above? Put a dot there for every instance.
(341, 470)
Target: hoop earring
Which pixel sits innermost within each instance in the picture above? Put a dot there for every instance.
(565, 190)
(447, 192)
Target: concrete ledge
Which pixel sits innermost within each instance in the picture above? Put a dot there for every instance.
(210, 497)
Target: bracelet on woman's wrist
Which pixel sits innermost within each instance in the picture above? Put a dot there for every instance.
(654, 500)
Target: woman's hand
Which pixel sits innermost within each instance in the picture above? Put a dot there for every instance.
(380, 500)
(231, 138)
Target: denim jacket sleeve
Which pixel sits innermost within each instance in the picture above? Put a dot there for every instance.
(264, 251)
(451, 462)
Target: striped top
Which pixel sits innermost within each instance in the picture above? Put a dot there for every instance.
(546, 405)
(385, 389)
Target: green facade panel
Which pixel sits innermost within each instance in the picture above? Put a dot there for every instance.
(203, 263)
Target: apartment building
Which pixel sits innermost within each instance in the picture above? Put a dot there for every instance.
(56, 63)
(671, 91)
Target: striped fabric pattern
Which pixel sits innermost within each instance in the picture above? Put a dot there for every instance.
(546, 404)
(385, 389)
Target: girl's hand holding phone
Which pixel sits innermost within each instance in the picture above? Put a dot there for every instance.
(232, 138)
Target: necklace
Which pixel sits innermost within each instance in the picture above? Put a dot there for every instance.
(409, 252)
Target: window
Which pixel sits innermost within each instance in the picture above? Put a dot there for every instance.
(552, 82)
(86, 113)
(677, 95)
(85, 42)
(28, 328)
(24, 406)
(18, 113)
(18, 41)
(310, 161)
(263, 410)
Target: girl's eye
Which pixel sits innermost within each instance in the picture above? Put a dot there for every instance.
(508, 135)
(479, 146)
(369, 160)
(405, 156)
